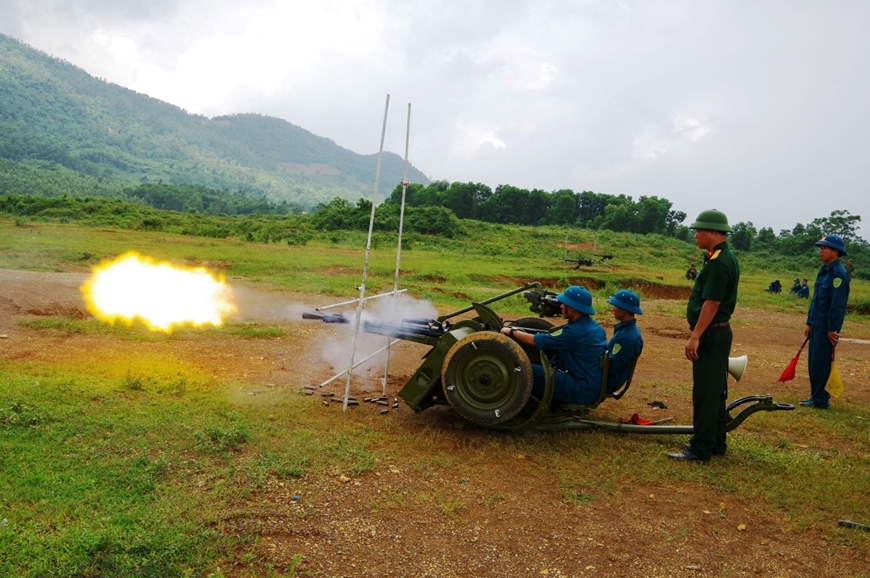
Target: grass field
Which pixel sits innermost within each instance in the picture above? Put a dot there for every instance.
(112, 465)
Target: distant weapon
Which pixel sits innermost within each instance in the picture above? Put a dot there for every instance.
(603, 258)
(326, 317)
(581, 262)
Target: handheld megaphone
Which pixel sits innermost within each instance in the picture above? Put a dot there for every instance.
(736, 366)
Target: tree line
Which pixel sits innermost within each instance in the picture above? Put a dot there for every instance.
(442, 209)
(509, 205)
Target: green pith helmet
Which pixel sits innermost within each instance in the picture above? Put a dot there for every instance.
(712, 220)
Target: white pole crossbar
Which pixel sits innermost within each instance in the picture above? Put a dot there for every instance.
(352, 301)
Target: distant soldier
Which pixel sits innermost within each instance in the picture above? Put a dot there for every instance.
(775, 287)
(804, 290)
(796, 288)
(849, 268)
(825, 318)
(691, 272)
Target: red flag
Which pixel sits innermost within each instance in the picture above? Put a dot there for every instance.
(789, 371)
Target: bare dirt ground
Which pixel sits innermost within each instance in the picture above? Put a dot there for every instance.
(514, 521)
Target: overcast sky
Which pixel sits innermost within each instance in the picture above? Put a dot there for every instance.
(757, 108)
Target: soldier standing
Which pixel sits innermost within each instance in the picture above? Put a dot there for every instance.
(825, 317)
(711, 304)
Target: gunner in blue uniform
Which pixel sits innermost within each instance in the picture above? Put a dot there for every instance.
(825, 317)
(574, 349)
(626, 343)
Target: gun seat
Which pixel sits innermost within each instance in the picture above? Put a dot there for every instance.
(603, 363)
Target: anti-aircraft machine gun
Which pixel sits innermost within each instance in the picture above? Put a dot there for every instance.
(486, 377)
(602, 259)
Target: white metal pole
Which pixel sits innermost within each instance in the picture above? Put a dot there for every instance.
(352, 301)
(399, 245)
(362, 287)
(360, 362)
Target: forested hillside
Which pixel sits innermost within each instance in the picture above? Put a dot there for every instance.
(63, 131)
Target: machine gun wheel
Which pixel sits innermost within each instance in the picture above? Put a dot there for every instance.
(487, 378)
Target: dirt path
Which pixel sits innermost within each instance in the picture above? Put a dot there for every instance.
(513, 522)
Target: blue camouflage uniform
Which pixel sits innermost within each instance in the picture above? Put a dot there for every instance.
(827, 313)
(575, 350)
(625, 345)
(804, 291)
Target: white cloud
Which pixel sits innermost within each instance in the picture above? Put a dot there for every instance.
(683, 100)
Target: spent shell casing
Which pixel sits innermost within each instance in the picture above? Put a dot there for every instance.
(382, 402)
(327, 394)
(325, 402)
(395, 405)
(383, 411)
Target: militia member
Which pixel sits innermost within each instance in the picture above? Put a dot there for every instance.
(711, 304)
(578, 347)
(825, 317)
(796, 288)
(804, 291)
(626, 343)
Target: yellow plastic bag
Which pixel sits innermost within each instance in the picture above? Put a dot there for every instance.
(834, 385)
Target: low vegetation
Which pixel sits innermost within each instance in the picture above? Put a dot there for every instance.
(112, 467)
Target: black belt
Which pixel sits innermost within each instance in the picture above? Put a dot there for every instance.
(713, 326)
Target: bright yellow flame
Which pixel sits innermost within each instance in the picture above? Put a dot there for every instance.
(158, 293)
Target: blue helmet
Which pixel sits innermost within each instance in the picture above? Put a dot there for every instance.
(578, 298)
(628, 300)
(832, 241)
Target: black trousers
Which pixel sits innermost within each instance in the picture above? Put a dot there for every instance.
(710, 391)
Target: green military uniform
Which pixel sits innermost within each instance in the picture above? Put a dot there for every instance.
(717, 281)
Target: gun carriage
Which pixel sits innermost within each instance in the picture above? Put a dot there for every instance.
(486, 377)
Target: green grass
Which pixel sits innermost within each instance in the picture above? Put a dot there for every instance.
(120, 467)
(131, 475)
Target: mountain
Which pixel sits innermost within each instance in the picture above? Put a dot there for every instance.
(63, 131)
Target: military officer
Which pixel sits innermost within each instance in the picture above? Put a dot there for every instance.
(711, 304)
(825, 317)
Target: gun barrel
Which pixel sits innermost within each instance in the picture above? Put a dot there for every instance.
(418, 330)
(326, 317)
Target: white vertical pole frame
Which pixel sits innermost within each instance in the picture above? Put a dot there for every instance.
(362, 287)
(399, 246)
